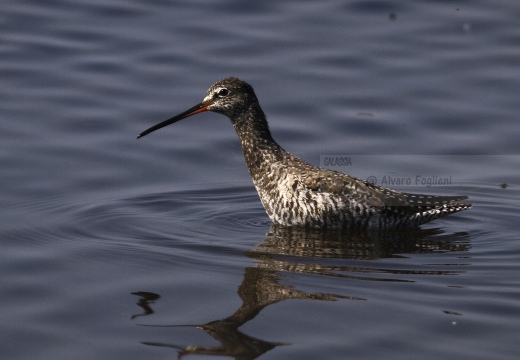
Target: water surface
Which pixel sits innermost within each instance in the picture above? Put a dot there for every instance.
(120, 248)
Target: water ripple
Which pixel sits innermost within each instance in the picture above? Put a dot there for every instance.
(175, 223)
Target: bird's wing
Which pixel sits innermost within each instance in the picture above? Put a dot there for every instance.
(340, 184)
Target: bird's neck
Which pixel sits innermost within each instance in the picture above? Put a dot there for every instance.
(251, 124)
(260, 149)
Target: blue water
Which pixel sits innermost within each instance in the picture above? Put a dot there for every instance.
(120, 248)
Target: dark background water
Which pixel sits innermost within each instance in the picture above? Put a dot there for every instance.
(115, 248)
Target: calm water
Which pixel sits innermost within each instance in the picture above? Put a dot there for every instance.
(114, 248)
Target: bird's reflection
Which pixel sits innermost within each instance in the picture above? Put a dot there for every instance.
(291, 250)
(145, 301)
(362, 244)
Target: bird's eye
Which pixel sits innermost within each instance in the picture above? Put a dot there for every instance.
(223, 92)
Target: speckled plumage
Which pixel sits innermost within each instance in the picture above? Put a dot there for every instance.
(294, 192)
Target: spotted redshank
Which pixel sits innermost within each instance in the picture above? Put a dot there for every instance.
(295, 193)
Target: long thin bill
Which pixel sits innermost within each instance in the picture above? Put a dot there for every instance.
(192, 111)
